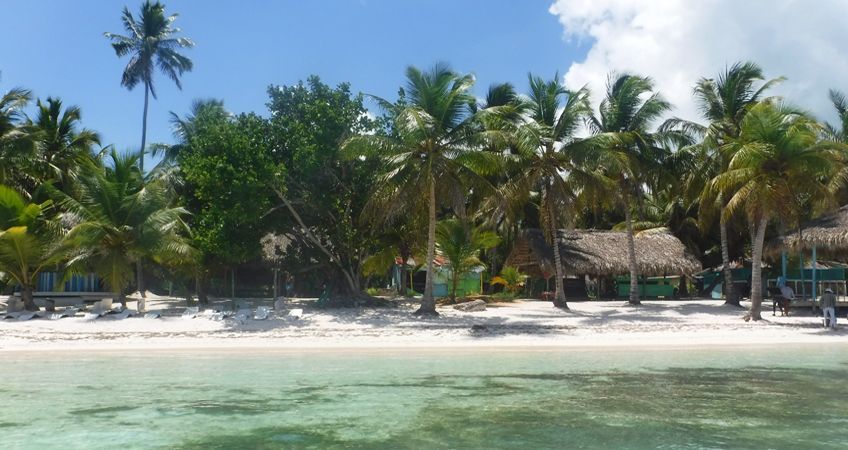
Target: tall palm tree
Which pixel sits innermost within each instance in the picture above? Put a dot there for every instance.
(776, 164)
(551, 160)
(151, 42)
(29, 241)
(631, 154)
(461, 242)
(118, 219)
(724, 101)
(61, 149)
(431, 156)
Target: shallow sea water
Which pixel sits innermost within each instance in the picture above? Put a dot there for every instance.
(793, 398)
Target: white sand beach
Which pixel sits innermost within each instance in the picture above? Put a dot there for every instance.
(516, 324)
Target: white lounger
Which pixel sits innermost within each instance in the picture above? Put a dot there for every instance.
(261, 313)
(191, 312)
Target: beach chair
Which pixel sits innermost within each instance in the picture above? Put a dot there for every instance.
(153, 315)
(67, 312)
(296, 313)
(191, 312)
(122, 315)
(26, 315)
(261, 313)
(242, 315)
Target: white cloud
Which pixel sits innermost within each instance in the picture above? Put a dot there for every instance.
(678, 41)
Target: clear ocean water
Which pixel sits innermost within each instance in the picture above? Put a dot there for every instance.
(792, 398)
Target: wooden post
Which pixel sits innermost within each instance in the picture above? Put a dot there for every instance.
(814, 277)
(783, 263)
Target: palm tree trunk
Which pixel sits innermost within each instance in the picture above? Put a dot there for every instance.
(730, 297)
(27, 297)
(139, 273)
(559, 297)
(631, 254)
(428, 303)
(757, 269)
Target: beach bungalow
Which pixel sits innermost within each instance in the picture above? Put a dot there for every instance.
(602, 256)
(822, 238)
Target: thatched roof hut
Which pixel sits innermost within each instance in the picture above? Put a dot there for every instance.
(597, 252)
(828, 233)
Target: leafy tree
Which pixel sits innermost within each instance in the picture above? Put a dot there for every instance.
(461, 242)
(432, 153)
(777, 164)
(30, 240)
(225, 167)
(323, 193)
(118, 219)
(632, 153)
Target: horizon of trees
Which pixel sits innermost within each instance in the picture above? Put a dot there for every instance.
(330, 194)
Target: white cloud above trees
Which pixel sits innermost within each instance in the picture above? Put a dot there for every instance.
(678, 41)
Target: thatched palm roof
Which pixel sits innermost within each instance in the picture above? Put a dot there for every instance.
(597, 252)
(829, 233)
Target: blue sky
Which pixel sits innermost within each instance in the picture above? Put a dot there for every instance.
(58, 49)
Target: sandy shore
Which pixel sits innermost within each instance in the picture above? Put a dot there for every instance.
(507, 325)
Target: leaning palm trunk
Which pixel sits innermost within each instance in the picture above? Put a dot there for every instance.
(730, 296)
(139, 273)
(631, 255)
(559, 299)
(428, 303)
(757, 270)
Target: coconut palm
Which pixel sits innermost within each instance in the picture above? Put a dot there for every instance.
(551, 160)
(151, 43)
(118, 218)
(775, 165)
(15, 148)
(631, 154)
(461, 242)
(838, 132)
(29, 241)
(724, 101)
(431, 155)
(61, 149)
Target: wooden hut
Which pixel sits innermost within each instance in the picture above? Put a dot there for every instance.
(601, 253)
(826, 236)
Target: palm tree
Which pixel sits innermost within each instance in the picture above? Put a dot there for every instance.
(151, 42)
(61, 149)
(551, 160)
(119, 219)
(630, 155)
(839, 131)
(776, 164)
(14, 145)
(724, 102)
(431, 155)
(29, 241)
(461, 242)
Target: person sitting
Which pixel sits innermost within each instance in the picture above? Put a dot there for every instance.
(827, 303)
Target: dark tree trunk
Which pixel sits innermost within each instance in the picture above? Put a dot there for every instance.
(27, 298)
(139, 272)
(631, 255)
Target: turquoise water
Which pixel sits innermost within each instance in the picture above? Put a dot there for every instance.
(746, 398)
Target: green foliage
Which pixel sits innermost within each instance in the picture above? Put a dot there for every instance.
(511, 279)
(227, 168)
(461, 243)
(30, 239)
(309, 122)
(117, 219)
(151, 43)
